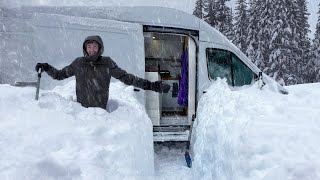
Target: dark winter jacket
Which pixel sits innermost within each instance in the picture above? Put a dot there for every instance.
(93, 76)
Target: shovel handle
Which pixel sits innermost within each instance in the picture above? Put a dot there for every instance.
(38, 84)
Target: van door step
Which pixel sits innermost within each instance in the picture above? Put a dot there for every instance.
(170, 136)
(170, 133)
(174, 120)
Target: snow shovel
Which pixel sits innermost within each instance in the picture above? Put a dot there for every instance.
(187, 154)
(38, 83)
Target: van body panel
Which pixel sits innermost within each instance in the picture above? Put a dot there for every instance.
(58, 39)
(123, 41)
(203, 76)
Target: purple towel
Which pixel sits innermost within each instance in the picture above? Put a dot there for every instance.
(183, 88)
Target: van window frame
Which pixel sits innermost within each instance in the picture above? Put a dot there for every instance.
(231, 54)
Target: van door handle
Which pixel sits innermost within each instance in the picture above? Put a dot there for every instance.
(204, 92)
(136, 90)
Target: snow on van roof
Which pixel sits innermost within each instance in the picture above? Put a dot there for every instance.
(147, 15)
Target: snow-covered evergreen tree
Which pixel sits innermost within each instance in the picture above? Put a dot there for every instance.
(252, 38)
(219, 16)
(210, 12)
(304, 44)
(230, 26)
(264, 34)
(198, 10)
(241, 25)
(284, 52)
(277, 65)
(314, 63)
(223, 17)
(273, 39)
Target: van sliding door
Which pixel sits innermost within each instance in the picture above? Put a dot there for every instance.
(191, 78)
(60, 39)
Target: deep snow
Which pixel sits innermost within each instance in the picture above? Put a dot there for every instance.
(258, 134)
(57, 138)
(239, 134)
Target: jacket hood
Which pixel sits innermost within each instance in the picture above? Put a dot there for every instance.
(101, 48)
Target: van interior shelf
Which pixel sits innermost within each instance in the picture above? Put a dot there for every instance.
(170, 78)
(163, 59)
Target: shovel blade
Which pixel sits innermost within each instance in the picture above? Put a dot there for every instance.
(188, 159)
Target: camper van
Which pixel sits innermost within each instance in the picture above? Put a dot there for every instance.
(154, 43)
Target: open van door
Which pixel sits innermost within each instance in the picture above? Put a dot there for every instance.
(192, 80)
(59, 39)
(171, 56)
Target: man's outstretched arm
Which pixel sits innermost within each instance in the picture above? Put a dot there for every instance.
(64, 73)
(130, 79)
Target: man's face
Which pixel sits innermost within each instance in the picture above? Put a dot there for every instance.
(92, 48)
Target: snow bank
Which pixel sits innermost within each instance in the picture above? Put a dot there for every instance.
(254, 134)
(218, 132)
(56, 138)
(243, 134)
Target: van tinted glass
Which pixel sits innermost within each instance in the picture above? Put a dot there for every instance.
(224, 64)
(242, 75)
(219, 64)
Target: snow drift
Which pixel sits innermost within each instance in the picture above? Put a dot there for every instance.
(253, 134)
(242, 134)
(56, 138)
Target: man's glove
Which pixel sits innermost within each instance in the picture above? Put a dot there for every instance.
(43, 66)
(160, 87)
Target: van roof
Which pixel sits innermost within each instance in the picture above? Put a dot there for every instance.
(146, 15)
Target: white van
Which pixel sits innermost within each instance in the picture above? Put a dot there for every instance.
(155, 43)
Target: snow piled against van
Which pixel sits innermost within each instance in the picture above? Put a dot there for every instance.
(56, 138)
(251, 134)
(244, 134)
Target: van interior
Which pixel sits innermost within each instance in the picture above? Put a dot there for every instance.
(166, 59)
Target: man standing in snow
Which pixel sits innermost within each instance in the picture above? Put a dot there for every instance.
(93, 73)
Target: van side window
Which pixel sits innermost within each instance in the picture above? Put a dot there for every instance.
(224, 64)
(242, 75)
(219, 64)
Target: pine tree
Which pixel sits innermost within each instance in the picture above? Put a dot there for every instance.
(304, 44)
(264, 35)
(222, 16)
(241, 25)
(198, 10)
(210, 12)
(284, 55)
(296, 38)
(219, 16)
(314, 63)
(277, 66)
(252, 38)
(230, 26)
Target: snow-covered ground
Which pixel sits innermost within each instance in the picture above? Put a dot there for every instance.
(254, 134)
(56, 138)
(239, 134)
